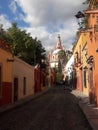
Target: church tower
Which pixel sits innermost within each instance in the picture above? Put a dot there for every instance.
(58, 45)
(53, 55)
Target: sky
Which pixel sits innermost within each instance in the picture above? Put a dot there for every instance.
(44, 19)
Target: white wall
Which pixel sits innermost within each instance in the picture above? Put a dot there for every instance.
(69, 65)
(21, 70)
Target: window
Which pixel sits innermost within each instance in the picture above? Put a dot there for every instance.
(85, 79)
(15, 89)
(0, 79)
(96, 27)
(80, 53)
(97, 19)
(24, 85)
(76, 57)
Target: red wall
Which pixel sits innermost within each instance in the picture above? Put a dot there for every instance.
(37, 77)
(79, 85)
(6, 96)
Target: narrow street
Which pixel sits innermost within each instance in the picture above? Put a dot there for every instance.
(55, 110)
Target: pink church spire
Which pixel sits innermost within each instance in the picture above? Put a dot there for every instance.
(58, 45)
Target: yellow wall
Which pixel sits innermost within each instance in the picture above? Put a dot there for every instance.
(84, 63)
(82, 41)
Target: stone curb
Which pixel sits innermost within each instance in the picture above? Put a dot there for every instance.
(90, 114)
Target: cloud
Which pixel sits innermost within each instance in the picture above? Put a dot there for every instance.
(50, 18)
(13, 6)
(4, 20)
(50, 12)
(49, 39)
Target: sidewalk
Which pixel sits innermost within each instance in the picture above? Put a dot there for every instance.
(90, 110)
(10, 106)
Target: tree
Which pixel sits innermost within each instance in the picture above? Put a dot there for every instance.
(3, 34)
(40, 52)
(16, 39)
(23, 45)
(62, 57)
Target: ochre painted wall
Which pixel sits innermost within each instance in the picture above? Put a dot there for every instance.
(6, 77)
(6, 66)
(81, 63)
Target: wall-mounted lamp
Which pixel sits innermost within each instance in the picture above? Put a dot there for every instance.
(80, 16)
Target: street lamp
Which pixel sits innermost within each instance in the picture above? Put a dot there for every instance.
(80, 16)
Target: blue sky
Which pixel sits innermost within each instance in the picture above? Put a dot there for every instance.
(12, 12)
(44, 19)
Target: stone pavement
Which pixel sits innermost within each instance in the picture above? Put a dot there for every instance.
(10, 106)
(89, 110)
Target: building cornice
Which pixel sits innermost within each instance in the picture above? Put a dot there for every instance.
(91, 11)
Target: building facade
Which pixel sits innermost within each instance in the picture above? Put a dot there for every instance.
(92, 53)
(23, 79)
(86, 46)
(6, 71)
(16, 77)
(69, 72)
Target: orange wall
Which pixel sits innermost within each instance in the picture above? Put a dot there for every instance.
(96, 63)
(92, 47)
(79, 69)
(6, 67)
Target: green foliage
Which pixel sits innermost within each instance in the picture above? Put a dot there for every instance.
(3, 35)
(92, 3)
(59, 77)
(23, 45)
(61, 60)
(62, 56)
(59, 66)
(85, 22)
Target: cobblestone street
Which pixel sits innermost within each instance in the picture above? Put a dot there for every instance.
(57, 109)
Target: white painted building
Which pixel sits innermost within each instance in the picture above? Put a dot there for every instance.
(69, 67)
